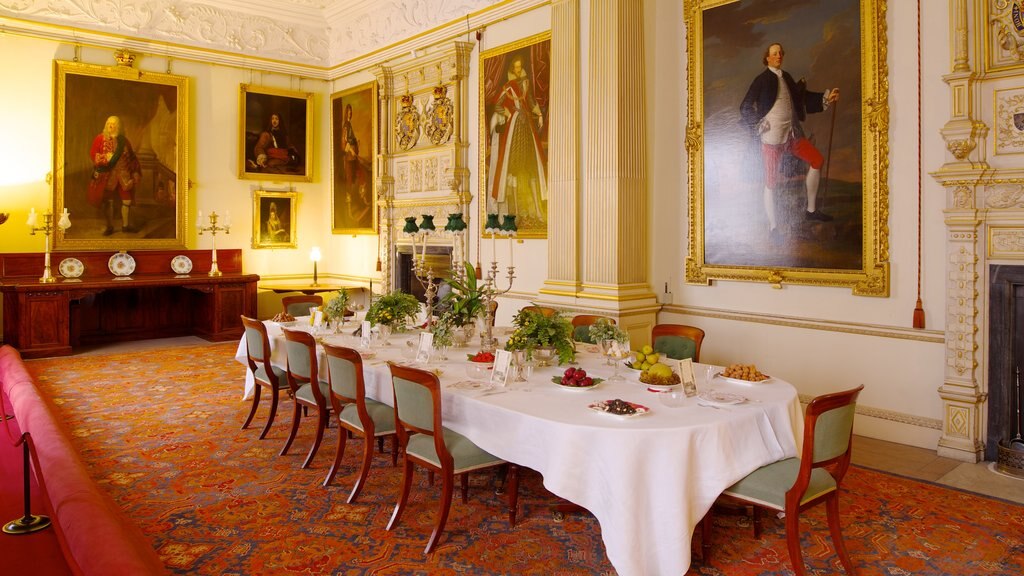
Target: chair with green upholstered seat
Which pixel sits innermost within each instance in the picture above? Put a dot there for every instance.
(356, 413)
(581, 327)
(429, 444)
(299, 305)
(677, 341)
(257, 347)
(308, 390)
(795, 484)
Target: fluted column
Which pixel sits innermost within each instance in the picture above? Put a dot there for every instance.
(564, 167)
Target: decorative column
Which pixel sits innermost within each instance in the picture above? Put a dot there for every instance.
(963, 175)
(385, 181)
(615, 248)
(563, 281)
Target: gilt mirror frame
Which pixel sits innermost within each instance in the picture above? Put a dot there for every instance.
(730, 226)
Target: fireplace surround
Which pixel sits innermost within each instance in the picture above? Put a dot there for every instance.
(1006, 359)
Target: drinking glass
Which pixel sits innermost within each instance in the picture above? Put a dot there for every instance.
(618, 351)
(606, 346)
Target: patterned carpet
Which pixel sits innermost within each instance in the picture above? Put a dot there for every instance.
(165, 442)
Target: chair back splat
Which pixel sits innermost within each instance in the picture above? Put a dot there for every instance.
(677, 341)
(300, 305)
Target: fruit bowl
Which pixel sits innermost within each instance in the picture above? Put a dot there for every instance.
(574, 385)
(655, 380)
(576, 379)
(482, 357)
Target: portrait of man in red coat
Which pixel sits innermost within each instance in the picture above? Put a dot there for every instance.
(116, 172)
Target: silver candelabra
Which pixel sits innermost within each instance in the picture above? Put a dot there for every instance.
(488, 292)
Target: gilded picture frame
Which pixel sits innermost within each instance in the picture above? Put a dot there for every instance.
(273, 219)
(514, 95)
(758, 210)
(275, 137)
(353, 169)
(121, 156)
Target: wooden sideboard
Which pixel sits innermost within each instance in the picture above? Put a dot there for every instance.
(154, 302)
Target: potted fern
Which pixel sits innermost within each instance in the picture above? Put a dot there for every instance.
(464, 304)
(542, 336)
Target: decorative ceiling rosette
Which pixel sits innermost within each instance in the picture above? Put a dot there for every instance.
(440, 112)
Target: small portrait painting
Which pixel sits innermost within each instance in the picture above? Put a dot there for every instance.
(274, 220)
(276, 137)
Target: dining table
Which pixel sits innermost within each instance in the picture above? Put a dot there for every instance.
(648, 478)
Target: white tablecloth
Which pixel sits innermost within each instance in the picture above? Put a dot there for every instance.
(647, 479)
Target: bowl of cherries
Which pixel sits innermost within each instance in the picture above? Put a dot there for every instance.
(576, 379)
(480, 365)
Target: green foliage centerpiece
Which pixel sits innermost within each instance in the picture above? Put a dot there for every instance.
(394, 310)
(465, 301)
(535, 330)
(604, 329)
(336, 307)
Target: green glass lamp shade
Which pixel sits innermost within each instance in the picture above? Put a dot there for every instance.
(410, 225)
(427, 225)
(492, 226)
(508, 226)
(455, 223)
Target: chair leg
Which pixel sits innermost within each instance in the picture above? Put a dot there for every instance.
(447, 487)
(364, 470)
(404, 496)
(756, 514)
(273, 412)
(430, 477)
(255, 405)
(321, 425)
(380, 444)
(706, 525)
(394, 450)
(339, 453)
(464, 479)
(793, 542)
(832, 507)
(296, 416)
(512, 483)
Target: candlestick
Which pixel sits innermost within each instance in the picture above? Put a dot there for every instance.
(48, 227)
(213, 228)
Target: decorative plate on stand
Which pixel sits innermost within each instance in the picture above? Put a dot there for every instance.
(121, 264)
(181, 264)
(71, 268)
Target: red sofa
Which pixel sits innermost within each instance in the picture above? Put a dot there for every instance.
(94, 533)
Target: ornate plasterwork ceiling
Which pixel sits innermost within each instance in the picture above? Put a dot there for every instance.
(309, 32)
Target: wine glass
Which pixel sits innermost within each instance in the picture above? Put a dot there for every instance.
(618, 351)
(606, 346)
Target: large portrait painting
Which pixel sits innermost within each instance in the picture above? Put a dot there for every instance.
(787, 142)
(273, 215)
(353, 147)
(514, 92)
(120, 156)
(276, 138)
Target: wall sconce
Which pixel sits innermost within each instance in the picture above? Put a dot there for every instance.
(314, 255)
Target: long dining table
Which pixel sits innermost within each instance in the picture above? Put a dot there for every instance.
(648, 479)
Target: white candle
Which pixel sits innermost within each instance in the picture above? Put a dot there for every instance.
(31, 218)
(511, 258)
(494, 247)
(199, 219)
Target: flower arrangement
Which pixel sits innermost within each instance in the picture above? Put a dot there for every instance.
(535, 330)
(603, 329)
(442, 329)
(336, 307)
(394, 309)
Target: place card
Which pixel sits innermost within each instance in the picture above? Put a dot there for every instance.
(502, 368)
(425, 347)
(364, 335)
(685, 371)
(318, 319)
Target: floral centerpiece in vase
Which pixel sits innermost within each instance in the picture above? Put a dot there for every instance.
(337, 307)
(603, 332)
(392, 311)
(540, 336)
(463, 304)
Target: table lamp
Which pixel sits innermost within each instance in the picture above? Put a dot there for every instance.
(314, 255)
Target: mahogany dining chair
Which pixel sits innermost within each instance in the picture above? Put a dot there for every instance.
(302, 373)
(266, 375)
(300, 305)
